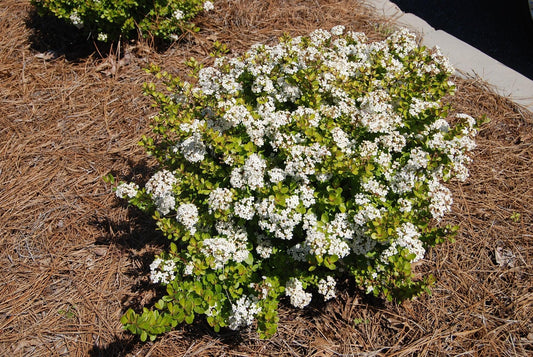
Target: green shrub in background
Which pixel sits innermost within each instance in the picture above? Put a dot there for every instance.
(292, 166)
(109, 20)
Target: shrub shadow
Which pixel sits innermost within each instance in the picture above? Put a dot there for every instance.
(58, 38)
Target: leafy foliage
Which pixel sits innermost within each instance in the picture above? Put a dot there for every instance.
(108, 20)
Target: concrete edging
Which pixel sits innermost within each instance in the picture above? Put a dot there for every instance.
(468, 60)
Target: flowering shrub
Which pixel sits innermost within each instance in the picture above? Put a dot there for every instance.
(107, 20)
(293, 165)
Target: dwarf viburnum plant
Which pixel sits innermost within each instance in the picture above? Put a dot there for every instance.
(108, 20)
(293, 165)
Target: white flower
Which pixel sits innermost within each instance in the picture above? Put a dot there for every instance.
(367, 213)
(441, 199)
(419, 106)
(470, 121)
(307, 195)
(236, 179)
(230, 245)
(299, 298)
(243, 312)
(208, 6)
(342, 140)
(76, 20)
(220, 199)
(279, 222)
(442, 61)
(127, 190)
(102, 37)
(337, 30)
(407, 238)
(188, 270)
(159, 186)
(375, 187)
(264, 247)
(244, 208)
(319, 36)
(292, 202)
(187, 214)
(276, 175)
(327, 287)
(254, 171)
(178, 14)
(193, 148)
(405, 205)
(162, 271)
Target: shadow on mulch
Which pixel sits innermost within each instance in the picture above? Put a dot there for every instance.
(202, 336)
(55, 38)
(69, 246)
(58, 38)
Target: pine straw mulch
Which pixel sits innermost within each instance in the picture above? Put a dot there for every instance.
(74, 258)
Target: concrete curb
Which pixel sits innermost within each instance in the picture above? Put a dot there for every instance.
(468, 61)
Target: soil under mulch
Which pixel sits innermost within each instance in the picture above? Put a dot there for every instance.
(74, 258)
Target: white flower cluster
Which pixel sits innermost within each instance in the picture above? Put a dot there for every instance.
(76, 20)
(208, 6)
(178, 14)
(187, 214)
(327, 239)
(159, 186)
(220, 199)
(251, 174)
(193, 149)
(231, 244)
(127, 189)
(303, 160)
(342, 140)
(243, 312)
(407, 238)
(244, 208)
(264, 247)
(162, 271)
(457, 147)
(299, 298)
(280, 222)
(102, 36)
(326, 287)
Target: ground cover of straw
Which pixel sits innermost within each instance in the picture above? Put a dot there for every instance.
(73, 258)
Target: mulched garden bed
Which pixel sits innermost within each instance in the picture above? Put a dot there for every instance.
(74, 258)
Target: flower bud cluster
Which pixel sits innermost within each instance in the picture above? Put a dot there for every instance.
(326, 287)
(127, 190)
(160, 186)
(295, 291)
(162, 271)
(243, 312)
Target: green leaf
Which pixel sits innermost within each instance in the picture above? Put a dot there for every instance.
(250, 259)
(189, 318)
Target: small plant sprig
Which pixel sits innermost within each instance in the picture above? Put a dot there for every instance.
(293, 165)
(109, 20)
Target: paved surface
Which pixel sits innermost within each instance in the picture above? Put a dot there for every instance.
(467, 60)
(501, 29)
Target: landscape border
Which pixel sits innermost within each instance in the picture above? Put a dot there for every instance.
(468, 60)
